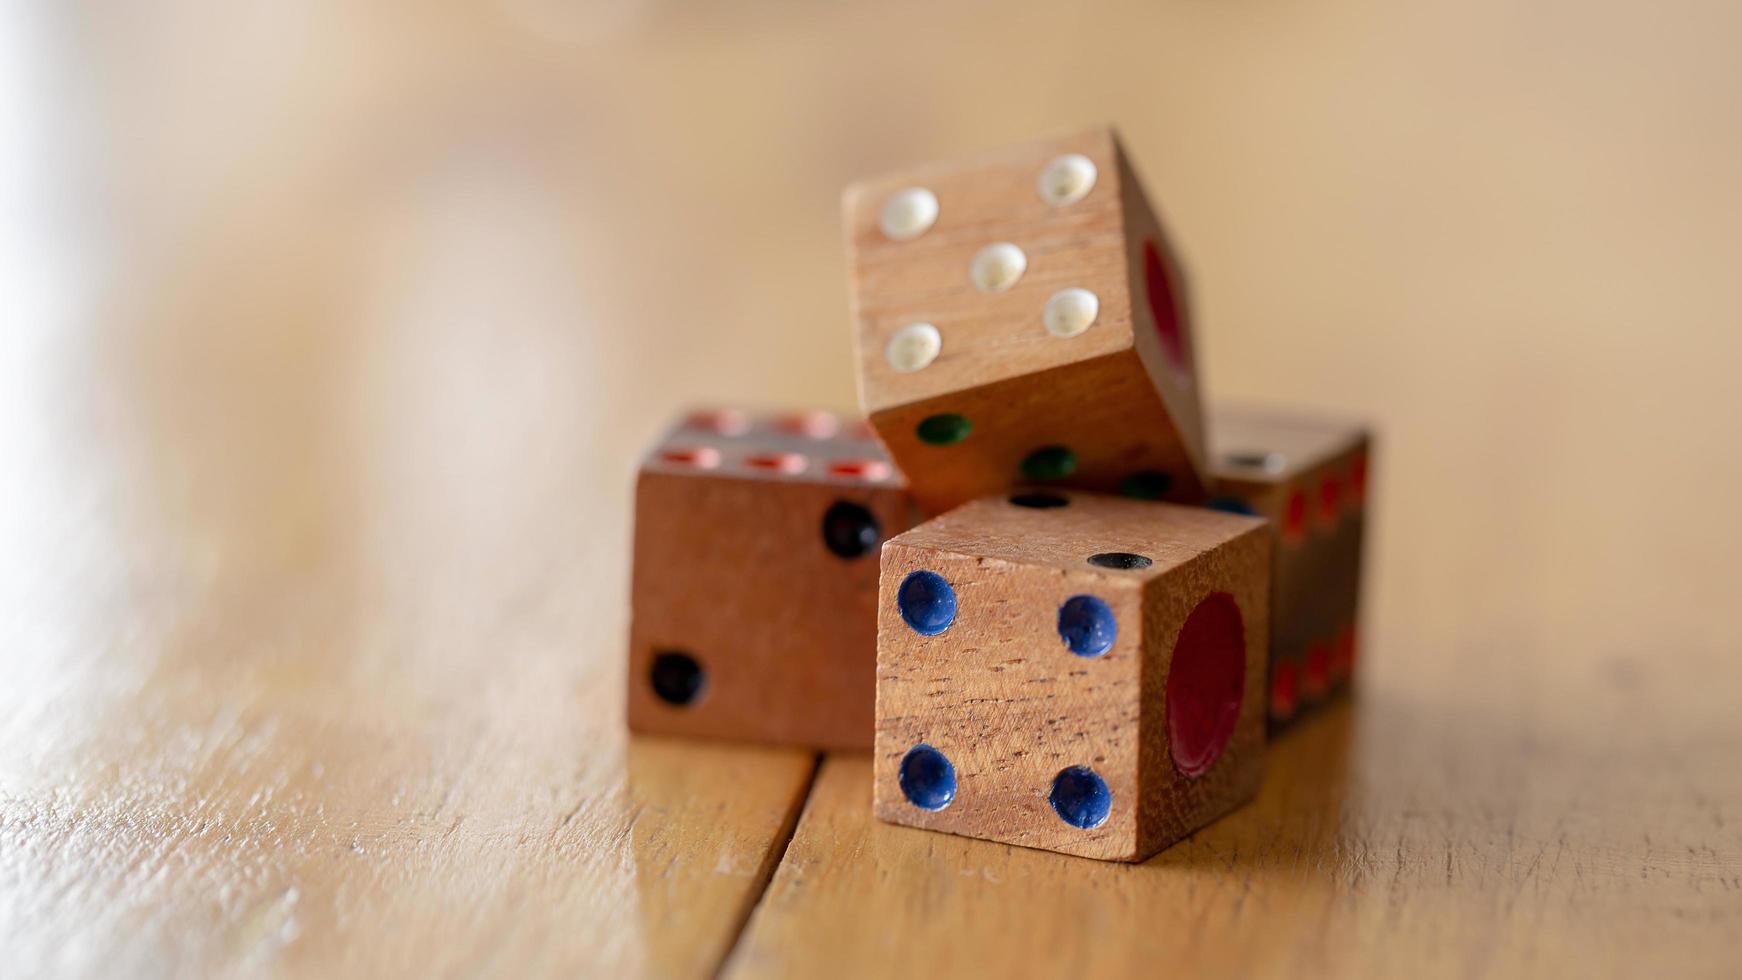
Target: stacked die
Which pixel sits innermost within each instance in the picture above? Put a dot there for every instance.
(1022, 317)
(1085, 675)
(755, 578)
(1308, 476)
(1072, 653)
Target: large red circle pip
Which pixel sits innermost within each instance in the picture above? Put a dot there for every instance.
(1164, 308)
(1206, 683)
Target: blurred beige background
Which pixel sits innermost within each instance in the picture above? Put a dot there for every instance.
(329, 334)
(406, 234)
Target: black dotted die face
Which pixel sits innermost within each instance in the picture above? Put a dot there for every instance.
(1039, 501)
(677, 677)
(849, 530)
(1122, 560)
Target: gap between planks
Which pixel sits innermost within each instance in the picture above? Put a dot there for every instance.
(771, 863)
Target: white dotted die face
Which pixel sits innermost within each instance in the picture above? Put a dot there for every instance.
(1070, 312)
(908, 214)
(1067, 179)
(996, 266)
(913, 347)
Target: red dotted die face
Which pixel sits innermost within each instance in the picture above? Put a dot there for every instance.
(1317, 678)
(862, 431)
(1206, 683)
(812, 425)
(777, 462)
(1284, 689)
(1330, 498)
(1294, 516)
(873, 470)
(1343, 654)
(1164, 308)
(701, 457)
(724, 421)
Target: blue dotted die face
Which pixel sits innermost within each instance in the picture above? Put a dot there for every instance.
(927, 602)
(1081, 798)
(928, 778)
(1087, 626)
(1231, 505)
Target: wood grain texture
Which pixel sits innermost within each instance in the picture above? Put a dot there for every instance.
(1387, 840)
(330, 338)
(267, 787)
(313, 638)
(1109, 393)
(733, 571)
(1308, 475)
(1003, 698)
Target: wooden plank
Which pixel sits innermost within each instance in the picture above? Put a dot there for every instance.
(294, 681)
(1399, 840)
(320, 392)
(231, 788)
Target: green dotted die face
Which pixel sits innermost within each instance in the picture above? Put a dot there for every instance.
(944, 430)
(1148, 485)
(1049, 463)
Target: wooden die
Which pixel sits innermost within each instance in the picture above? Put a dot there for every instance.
(1021, 318)
(754, 584)
(1071, 671)
(1309, 477)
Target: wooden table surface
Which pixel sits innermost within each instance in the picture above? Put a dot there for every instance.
(330, 335)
